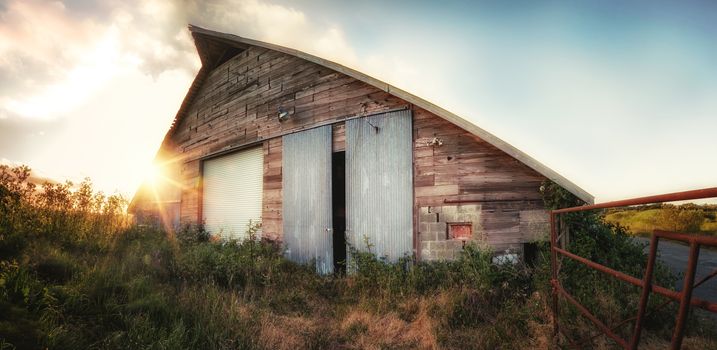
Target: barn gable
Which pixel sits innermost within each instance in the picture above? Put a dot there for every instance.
(465, 180)
(203, 38)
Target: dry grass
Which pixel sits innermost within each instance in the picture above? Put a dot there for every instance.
(358, 328)
(287, 332)
(78, 279)
(371, 331)
(649, 342)
(540, 329)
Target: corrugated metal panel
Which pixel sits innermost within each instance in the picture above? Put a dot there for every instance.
(379, 183)
(307, 216)
(232, 195)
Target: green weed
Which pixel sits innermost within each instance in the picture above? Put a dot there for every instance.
(75, 275)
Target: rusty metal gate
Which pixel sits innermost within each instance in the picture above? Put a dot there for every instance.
(684, 297)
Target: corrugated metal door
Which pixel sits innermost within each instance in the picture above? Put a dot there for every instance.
(307, 216)
(232, 194)
(379, 184)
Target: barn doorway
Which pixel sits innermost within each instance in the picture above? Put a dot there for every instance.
(338, 196)
(306, 203)
(379, 184)
(232, 192)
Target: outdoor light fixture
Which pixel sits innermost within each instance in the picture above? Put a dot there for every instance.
(283, 115)
(435, 142)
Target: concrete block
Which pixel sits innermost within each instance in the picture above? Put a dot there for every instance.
(426, 255)
(435, 209)
(459, 217)
(425, 245)
(449, 209)
(424, 210)
(447, 217)
(424, 227)
(444, 255)
(428, 217)
(436, 227)
(454, 245)
(452, 254)
(439, 236)
(437, 245)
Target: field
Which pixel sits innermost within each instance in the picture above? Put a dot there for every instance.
(689, 218)
(76, 274)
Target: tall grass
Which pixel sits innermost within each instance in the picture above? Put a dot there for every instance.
(75, 275)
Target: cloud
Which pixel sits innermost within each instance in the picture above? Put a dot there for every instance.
(277, 24)
(43, 55)
(73, 73)
(54, 56)
(37, 43)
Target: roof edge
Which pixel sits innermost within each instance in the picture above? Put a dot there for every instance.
(415, 100)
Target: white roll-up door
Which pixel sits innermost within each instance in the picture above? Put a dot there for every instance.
(232, 192)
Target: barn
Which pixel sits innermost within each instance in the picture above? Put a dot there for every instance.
(324, 156)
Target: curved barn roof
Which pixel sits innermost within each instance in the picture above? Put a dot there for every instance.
(212, 46)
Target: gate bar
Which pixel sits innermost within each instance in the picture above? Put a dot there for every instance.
(684, 296)
(645, 294)
(670, 197)
(704, 304)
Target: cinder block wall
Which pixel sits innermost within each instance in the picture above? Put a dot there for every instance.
(436, 242)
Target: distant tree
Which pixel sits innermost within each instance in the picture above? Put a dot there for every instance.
(681, 219)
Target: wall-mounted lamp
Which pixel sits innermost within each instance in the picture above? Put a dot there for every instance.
(435, 142)
(283, 115)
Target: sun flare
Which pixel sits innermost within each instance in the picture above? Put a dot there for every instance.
(152, 174)
(161, 175)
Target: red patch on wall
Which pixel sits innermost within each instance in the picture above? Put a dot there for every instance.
(460, 230)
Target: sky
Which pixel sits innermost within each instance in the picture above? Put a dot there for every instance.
(619, 97)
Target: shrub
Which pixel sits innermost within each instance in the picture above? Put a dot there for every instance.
(73, 275)
(611, 245)
(681, 219)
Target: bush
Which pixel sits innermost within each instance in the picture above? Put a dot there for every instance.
(679, 219)
(611, 300)
(73, 275)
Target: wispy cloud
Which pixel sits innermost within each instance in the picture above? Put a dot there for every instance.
(79, 76)
(52, 59)
(278, 24)
(53, 56)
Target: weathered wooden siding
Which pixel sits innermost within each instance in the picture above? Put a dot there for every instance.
(339, 137)
(238, 104)
(190, 209)
(467, 168)
(271, 215)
